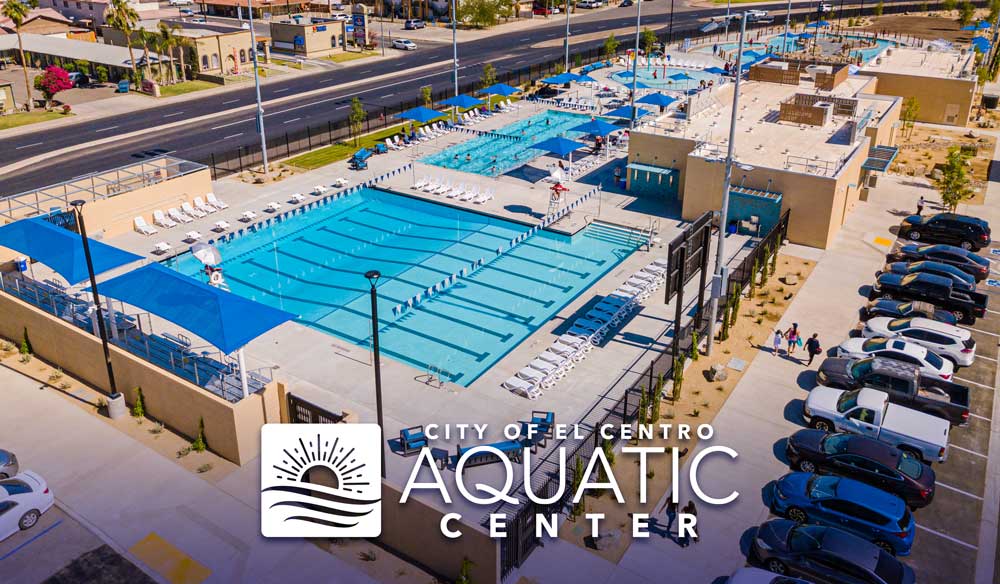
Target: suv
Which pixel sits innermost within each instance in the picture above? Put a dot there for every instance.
(966, 305)
(971, 263)
(951, 342)
(966, 232)
(960, 279)
(414, 24)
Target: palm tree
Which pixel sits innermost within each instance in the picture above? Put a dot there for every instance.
(146, 37)
(17, 11)
(182, 43)
(123, 17)
(168, 40)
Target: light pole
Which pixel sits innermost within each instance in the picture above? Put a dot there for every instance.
(720, 252)
(729, 3)
(635, 61)
(670, 28)
(373, 276)
(381, 28)
(99, 313)
(788, 20)
(454, 57)
(566, 42)
(256, 83)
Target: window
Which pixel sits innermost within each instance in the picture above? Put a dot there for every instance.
(938, 338)
(6, 506)
(862, 415)
(65, 4)
(243, 56)
(204, 61)
(90, 6)
(215, 60)
(79, 6)
(15, 486)
(835, 443)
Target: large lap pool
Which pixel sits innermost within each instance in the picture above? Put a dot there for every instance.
(508, 147)
(313, 264)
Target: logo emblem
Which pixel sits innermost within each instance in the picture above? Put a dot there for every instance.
(320, 480)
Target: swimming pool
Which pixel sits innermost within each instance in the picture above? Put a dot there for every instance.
(829, 44)
(510, 146)
(313, 265)
(662, 77)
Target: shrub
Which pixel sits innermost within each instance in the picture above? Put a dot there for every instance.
(101, 73)
(465, 573)
(199, 444)
(66, 109)
(139, 407)
(55, 376)
(694, 346)
(26, 348)
(678, 379)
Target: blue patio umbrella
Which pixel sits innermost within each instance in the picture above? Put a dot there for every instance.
(682, 76)
(558, 145)
(970, 27)
(596, 127)
(659, 99)
(751, 55)
(981, 44)
(500, 89)
(983, 25)
(463, 101)
(626, 112)
(585, 79)
(626, 74)
(716, 71)
(819, 24)
(641, 85)
(421, 114)
(560, 79)
(807, 35)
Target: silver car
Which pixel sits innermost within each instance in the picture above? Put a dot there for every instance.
(8, 464)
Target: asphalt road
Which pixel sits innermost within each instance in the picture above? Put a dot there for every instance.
(198, 139)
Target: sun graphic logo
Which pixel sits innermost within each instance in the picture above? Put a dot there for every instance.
(320, 480)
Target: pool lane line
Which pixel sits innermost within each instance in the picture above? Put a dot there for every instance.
(33, 538)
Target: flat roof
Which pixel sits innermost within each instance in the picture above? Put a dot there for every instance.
(70, 49)
(765, 141)
(924, 63)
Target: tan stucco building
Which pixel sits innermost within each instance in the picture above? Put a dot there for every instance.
(309, 37)
(797, 148)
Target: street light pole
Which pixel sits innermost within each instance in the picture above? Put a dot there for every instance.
(256, 83)
(99, 313)
(454, 56)
(788, 20)
(635, 61)
(373, 277)
(720, 251)
(566, 41)
(670, 27)
(729, 3)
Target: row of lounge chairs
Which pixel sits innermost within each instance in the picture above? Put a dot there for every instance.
(174, 216)
(447, 188)
(422, 134)
(581, 104)
(586, 332)
(534, 433)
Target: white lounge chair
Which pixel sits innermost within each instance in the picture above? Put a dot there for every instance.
(142, 227)
(162, 220)
(192, 236)
(216, 202)
(177, 216)
(187, 208)
(531, 375)
(221, 226)
(488, 195)
(248, 216)
(273, 207)
(421, 183)
(467, 197)
(319, 190)
(162, 247)
(341, 182)
(522, 387)
(201, 206)
(432, 185)
(443, 188)
(296, 198)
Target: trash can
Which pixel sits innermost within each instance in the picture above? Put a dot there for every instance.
(22, 264)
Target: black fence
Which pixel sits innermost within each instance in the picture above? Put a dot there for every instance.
(740, 276)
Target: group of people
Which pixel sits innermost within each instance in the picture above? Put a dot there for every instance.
(793, 339)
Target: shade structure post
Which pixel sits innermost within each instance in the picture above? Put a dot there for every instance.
(241, 363)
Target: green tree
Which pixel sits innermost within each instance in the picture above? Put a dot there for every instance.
(994, 7)
(182, 44)
(357, 118)
(54, 80)
(611, 46)
(911, 109)
(426, 96)
(17, 11)
(26, 348)
(657, 398)
(982, 75)
(695, 353)
(878, 9)
(101, 73)
(678, 380)
(966, 12)
(168, 42)
(139, 407)
(647, 39)
(489, 76)
(953, 183)
(465, 572)
(123, 17)
(200, 444)
(949, 5)
(479, 13)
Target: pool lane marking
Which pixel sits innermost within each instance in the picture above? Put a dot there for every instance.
(973, 452)
(948, 537)
(33, 538)
(957, 490)
(963, 380)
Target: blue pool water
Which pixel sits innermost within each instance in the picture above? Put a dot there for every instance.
(828, 43)
(662, 80)
(312, 264)
(511, 152)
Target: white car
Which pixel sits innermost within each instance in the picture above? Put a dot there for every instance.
(340, 17)
(930, 363)
(181, 2)
(404, 44)
(23, 499)
(948, 341)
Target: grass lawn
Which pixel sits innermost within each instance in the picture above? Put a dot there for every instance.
(287, 63)
(349, 56)
(185, 87)
(23, 119)
(341, 150)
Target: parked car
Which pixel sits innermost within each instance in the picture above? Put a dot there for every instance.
(949, 341)
(78, 79)
(541, 10)
(965, 260)
(8, 464)
(404, 44)
(181, 2)
(900, 308)
(340, 17)
(186, 12)
(823, 555)
(588, 4)
(626, 3)
(824, 7)
(414, 24)
(847, 504)
(869, 412)
(961, 230)
(931, 364)
(960, 279)
(966, 305)
(23, 500)
(751, 575)
(863, 459)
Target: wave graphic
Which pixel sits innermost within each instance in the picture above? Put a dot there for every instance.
(317, 504)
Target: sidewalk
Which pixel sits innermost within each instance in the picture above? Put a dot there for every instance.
(126, 492)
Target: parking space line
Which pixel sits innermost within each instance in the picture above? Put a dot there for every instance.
(948, 537)
(985, 357)
(973, 452)
(36, 536)
(992, 311)
(969, 381)
(985, 419)
(969, 328)
(957, 490)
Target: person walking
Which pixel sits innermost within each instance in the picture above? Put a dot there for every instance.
(813, 348)
(776, 343)
(671, 513)
(792, 336)
(920, 205)
(690, 509)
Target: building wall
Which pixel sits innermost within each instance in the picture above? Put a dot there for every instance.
(218, 54)
(78, 10)
(231, 430)
(318, 39)
(45, 26)
(7, 101)
(884, 132)
(663, 151)
(937, 97)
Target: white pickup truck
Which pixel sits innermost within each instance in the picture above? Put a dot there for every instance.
(868, 412)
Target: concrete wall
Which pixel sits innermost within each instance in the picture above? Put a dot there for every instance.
(231, 430)
(664, 151)
(883, 132)
(942, 101)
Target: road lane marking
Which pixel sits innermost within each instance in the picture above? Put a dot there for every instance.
(232, 124)
(233, 136)
(108, 129)
(524, 39)
(291, 120)
(973, 452)
(230, 101)
(388, 95)
(969, 328)
(341, 107)
(366, 71)
(173, 114)
(957, 490)
(964, 380)
(29, 145)
(521, 61)
(948, 537)
(282, 89)
(992, 311)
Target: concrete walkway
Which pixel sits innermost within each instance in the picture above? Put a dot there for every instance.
(124, 492)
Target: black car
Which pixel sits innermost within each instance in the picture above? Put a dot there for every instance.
(960, 279)
(965, 305)
(961, 230)
(973, 264)
(863, 459)
(901, 308)
(626, 3)
(824, 555)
